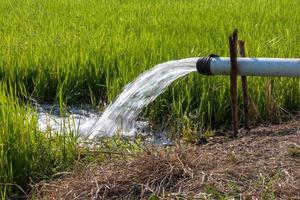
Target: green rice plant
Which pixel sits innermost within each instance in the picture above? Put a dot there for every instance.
(87, 51)
(26, 154)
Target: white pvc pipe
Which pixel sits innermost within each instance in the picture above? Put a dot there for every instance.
(280, 67)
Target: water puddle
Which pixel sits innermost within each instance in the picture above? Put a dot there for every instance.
(49, 118)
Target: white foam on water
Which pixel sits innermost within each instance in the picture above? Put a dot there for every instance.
(49, 118)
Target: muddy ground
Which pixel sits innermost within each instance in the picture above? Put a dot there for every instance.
(261, 164)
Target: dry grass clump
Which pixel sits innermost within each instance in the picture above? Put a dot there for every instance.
(146, 174)
(258, 165)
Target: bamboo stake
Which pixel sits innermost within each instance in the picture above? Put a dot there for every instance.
(244, 89)
(233, 80)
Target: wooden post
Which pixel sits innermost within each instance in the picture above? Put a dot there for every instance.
(233, 39)
(244, 88)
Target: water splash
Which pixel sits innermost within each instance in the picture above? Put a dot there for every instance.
(122, 113)
(49, 117)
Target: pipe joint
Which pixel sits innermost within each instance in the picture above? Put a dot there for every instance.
(203, 64)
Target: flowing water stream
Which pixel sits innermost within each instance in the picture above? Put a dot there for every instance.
(122, 113)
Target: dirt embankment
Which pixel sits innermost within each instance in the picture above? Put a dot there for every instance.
(263, 164)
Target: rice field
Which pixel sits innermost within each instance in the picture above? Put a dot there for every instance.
(84, 52)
